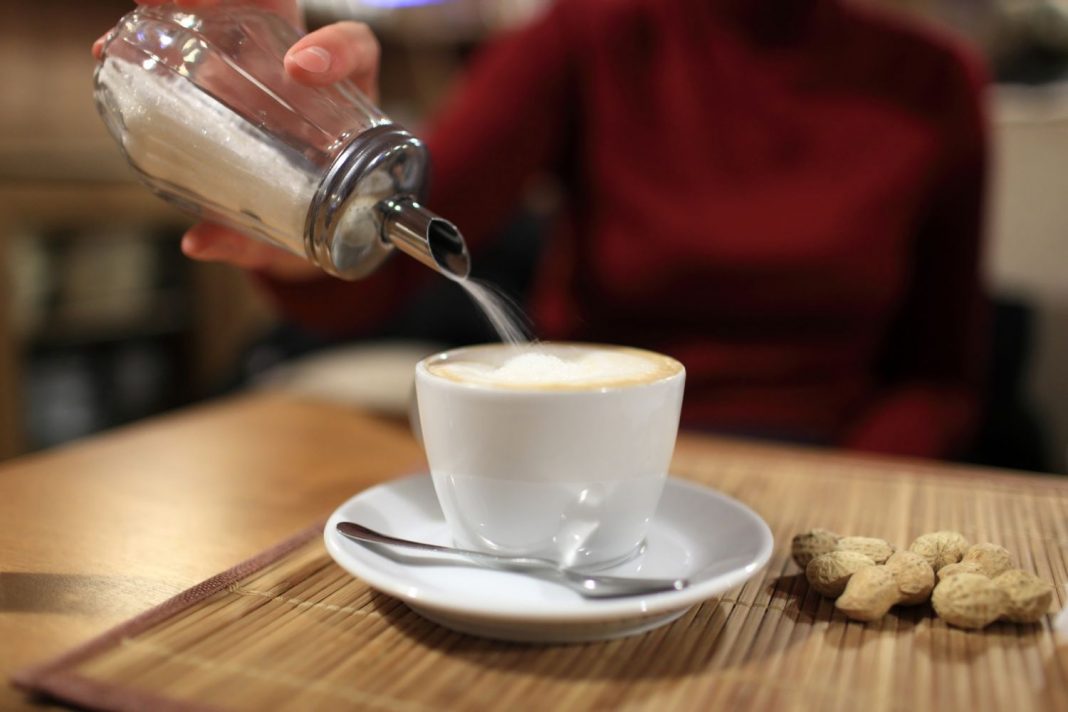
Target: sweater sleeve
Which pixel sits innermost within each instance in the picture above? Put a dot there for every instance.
(506, 123)
(935, 361)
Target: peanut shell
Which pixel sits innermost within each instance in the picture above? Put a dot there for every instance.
(960, 567)
(878, 550)
(869, 594)
(1029, 596)
(829, 573)
(807, 546)
(969, 600)
(914, 577)
(940, 548)
(990, 558)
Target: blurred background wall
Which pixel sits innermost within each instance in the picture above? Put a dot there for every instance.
(103, 322)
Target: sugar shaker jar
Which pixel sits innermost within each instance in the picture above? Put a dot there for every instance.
(202, 108)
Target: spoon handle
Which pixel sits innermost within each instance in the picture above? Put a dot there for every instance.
(352, 530)
(361, 533)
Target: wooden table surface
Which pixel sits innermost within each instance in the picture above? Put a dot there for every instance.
(103, 529)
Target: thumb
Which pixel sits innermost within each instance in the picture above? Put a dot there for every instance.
(344, 50)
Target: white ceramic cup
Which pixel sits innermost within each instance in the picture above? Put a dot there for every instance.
(571, 474)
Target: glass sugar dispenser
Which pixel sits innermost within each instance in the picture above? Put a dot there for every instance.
(202, 107)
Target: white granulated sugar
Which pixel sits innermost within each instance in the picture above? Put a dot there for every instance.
(544, 369)
(179, 134)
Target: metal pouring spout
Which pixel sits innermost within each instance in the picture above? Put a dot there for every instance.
(423, 235)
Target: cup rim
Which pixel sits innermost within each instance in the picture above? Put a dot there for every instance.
(423, 372)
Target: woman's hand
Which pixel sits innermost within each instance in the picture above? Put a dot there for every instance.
(345, 50)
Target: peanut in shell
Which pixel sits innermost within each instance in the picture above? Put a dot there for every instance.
(807, 546)
(829, 573)
(878, 550)
(940, 548)
(969, 601)
(869, 594)
(1029, 596)
(914, 577)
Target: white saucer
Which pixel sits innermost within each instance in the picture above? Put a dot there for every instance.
(714, 541)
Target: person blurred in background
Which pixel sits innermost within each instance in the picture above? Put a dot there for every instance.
(785, 195)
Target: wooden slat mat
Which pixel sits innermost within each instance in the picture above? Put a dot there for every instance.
(292, 631)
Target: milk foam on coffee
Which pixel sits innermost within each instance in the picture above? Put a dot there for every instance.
(559, 367)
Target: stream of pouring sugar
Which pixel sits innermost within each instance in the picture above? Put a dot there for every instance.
(503, 314)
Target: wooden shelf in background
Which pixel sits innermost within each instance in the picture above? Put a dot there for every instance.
(225, 311)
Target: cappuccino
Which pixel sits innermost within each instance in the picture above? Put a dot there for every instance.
(555, 367)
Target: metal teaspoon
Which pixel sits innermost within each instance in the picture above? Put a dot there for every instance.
(588, 585)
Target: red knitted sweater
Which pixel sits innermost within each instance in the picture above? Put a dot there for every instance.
(784, 195)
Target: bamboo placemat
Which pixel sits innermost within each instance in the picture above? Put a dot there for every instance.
(289, 630)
